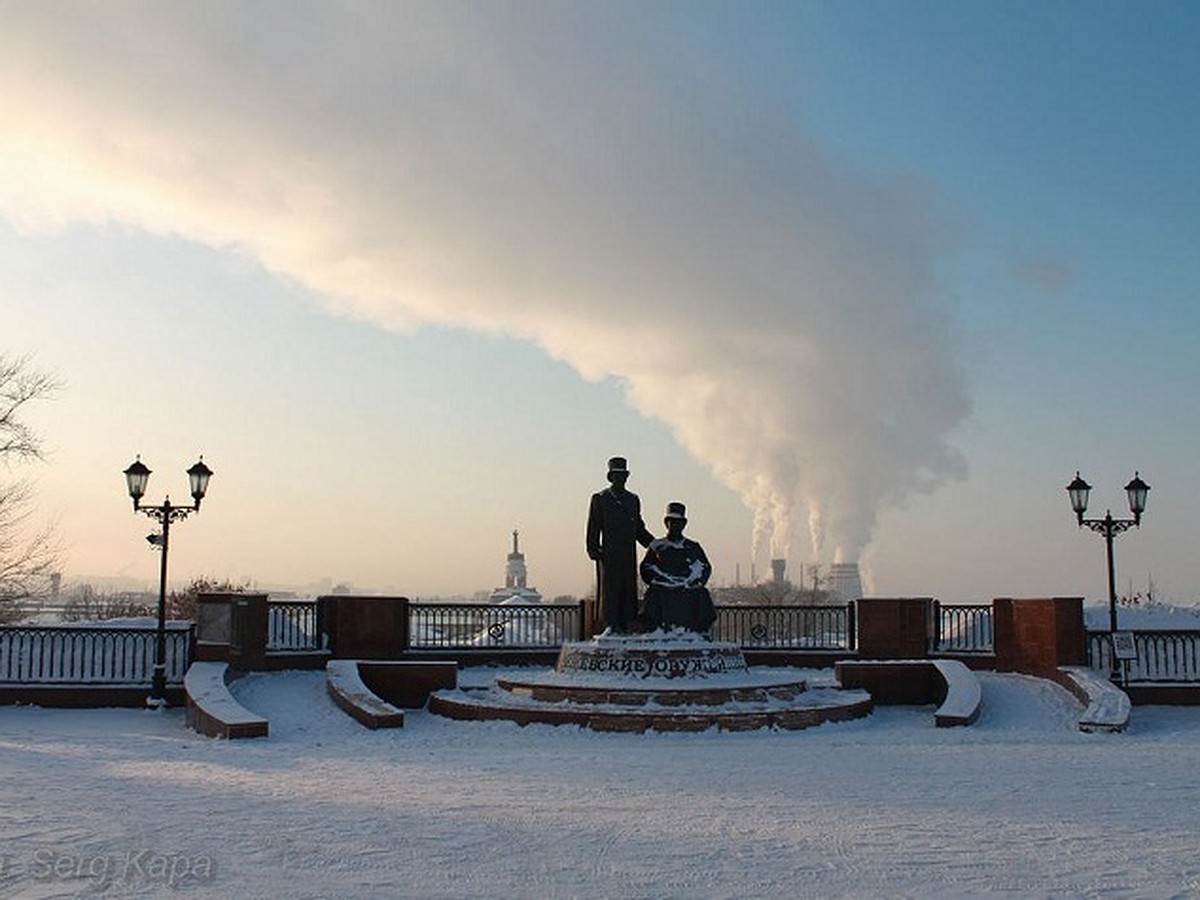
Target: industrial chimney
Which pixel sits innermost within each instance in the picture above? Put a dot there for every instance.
(844, 582)
(778, 568)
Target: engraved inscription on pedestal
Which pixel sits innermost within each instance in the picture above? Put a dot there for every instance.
(634, 659)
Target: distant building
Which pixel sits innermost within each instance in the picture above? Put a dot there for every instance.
(516, 589)
(779, 591)
(844, 582)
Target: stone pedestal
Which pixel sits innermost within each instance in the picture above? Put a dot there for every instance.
(663, 683)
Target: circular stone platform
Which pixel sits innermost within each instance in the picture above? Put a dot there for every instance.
(664, 682)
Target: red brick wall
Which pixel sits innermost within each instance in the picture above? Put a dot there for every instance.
(893, 628)
(914, 682)
(365, 627)
(408, 684)
(1036, 636)
(248, 631)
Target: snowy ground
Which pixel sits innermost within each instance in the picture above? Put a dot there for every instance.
(121, 802)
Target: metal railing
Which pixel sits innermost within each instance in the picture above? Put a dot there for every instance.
(961, 628)
(786, 627)
(467, 625)
(292, 625)
(1162, 656)
(65, 654)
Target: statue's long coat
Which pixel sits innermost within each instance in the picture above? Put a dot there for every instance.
(614, 528)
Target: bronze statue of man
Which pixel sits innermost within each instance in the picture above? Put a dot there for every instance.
(676, 572)
(614, 528)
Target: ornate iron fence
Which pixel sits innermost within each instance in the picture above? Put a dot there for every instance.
(1162, 656)
(466, 625)
(92, 654)
(961, 628)
(786, 627)
(292, 625)
(437, 625)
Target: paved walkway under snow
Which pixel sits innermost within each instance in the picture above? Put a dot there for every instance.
(888, 805)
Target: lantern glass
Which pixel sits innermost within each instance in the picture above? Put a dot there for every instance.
(136, 477)
(1137, 491)
(198, 475)
(1078, 491)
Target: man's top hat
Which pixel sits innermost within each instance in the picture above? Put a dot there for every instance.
(617, 465)
(676, 511)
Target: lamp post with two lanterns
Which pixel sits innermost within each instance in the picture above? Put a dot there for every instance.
(1108, 527)
(136, 477)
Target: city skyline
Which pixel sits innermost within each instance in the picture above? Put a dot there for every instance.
(856, 282)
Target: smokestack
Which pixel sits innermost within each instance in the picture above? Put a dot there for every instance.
(844, 582)
(778, 568)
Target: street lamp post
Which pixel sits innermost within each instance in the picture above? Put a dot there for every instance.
(1109, 528)
(136, 477)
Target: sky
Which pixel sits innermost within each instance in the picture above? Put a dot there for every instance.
(854, 281)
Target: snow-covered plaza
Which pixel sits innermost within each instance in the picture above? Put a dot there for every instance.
(119, 802)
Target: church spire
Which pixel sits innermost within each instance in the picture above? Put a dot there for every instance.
(514, 573)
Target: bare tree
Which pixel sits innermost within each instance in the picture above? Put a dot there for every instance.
(28, 554)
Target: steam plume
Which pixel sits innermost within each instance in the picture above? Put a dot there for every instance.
(567, 179)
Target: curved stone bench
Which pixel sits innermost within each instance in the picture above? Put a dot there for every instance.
(918, 681)
(345, 686)
(1108, 707)
(964, 696)
(212, 710)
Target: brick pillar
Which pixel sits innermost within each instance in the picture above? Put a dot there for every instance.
(248, 631)
(364, 627)
(1037, 635)
(1002, 634)
(893, 628)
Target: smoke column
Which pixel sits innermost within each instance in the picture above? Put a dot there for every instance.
(576, 179)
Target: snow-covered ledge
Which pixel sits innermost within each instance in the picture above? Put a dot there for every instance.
(964, 697)
(1108, 706)
(212, 710)
(346, 687)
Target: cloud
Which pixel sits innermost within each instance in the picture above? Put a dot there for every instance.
(564, 174)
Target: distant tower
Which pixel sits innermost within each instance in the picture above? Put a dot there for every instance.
(778, 571)
(516, 588)
(514, 572)
(844, 581)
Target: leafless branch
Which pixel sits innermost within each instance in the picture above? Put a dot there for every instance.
(28, 554)
(19, 385)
